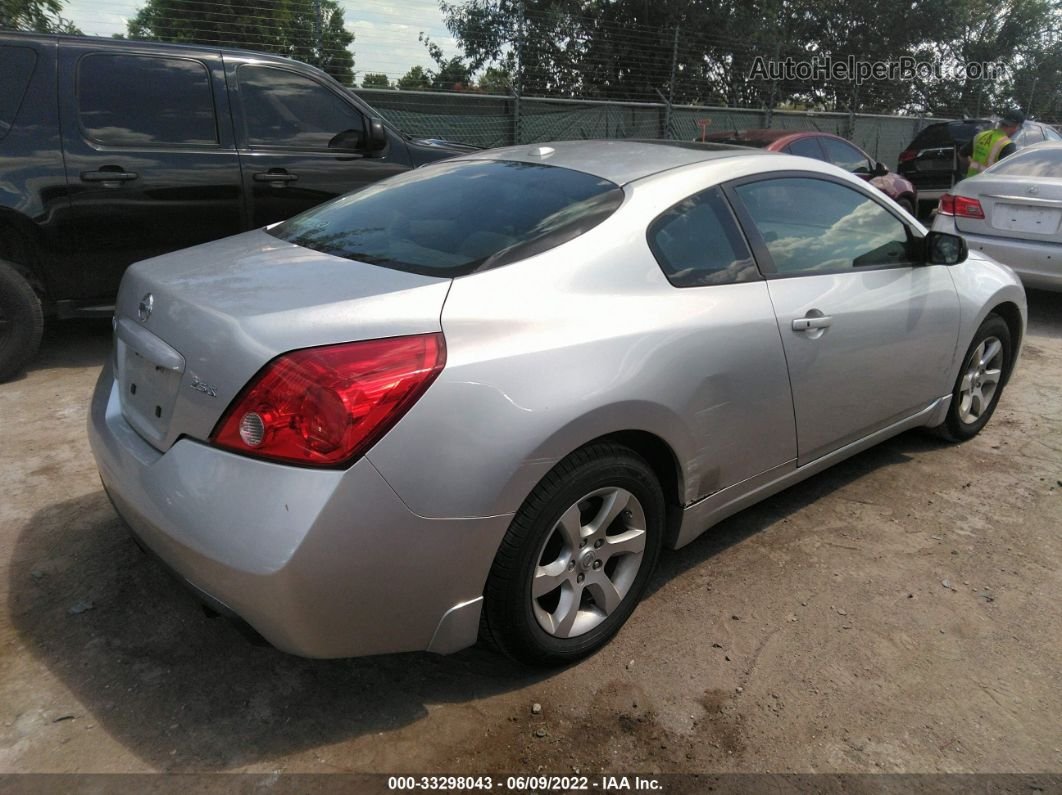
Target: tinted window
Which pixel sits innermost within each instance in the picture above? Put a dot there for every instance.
(281, 108)
(454, 217)
(811, 225)
(805, 147)
(846, 156)
(1030, 163)
(697, 243)
(933, 135)
(963, 131)
(16, 68)
(126, 100)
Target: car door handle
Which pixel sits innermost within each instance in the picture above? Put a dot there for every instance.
(809, 323)
(108, 174)
(278, 177)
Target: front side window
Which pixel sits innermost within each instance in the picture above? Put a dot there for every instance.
(16, 69)
(1027, 136)
(131, 100)
(697, 243)
(846, 156)
(457, 216)
(288, 110)
(816, 226)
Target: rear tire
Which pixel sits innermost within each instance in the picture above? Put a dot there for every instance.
(576, 558)
(21, 321)
(979, 386)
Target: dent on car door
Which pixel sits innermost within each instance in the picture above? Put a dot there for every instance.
(301, 142)
(740, 414)
(869, 329)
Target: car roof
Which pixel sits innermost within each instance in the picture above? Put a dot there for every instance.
(142, 44)
(619, 161)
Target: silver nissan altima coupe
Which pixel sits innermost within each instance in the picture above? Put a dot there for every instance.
(477, 399)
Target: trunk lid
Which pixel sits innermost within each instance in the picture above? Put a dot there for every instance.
(193, 327)
(1029, 208)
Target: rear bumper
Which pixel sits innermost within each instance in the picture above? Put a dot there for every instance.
(321, 563)
(1038, 265)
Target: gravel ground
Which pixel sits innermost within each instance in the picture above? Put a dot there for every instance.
(900, 612)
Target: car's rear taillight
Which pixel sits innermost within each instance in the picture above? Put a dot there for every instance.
(908, 154)
(946, 205)
(326, 406)
(960, 206)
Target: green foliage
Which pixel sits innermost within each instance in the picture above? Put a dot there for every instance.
(284, 27)
(41, 16)
(627, 50)
(416, 79)
(495, 81)
(375, 80)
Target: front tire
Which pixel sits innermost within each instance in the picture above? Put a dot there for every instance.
(980, 383)
(21, 321)
(576, 558)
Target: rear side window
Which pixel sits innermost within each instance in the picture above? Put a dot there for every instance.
(931, 136)
(285, 109)
(846, 156)
(697, 243)
(805, 147)
(16, 69)
(135, 100)
(1028, 136)
(1051, 135)
(457, 216)
(1045, 162)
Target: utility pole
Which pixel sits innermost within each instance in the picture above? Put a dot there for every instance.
(518, 78)
(671, 85)
(318, 32)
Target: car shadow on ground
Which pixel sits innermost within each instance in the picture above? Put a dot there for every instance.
(73, 343)
(185, 692)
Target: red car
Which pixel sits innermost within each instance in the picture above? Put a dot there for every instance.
(828, 148)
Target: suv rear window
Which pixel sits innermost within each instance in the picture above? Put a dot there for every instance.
(16, 68)
(456, 217)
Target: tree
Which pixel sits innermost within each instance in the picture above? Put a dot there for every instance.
(41, 16)
(416, 79)
(495, 81)
(375, 80)
(285, 27)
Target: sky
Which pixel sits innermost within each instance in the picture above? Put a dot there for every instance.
(385, 32)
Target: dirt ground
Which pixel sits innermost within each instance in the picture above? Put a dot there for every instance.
(901, 612)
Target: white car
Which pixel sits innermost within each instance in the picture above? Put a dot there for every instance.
(1013, 212)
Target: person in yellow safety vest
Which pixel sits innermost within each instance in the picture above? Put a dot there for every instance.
(992, 145)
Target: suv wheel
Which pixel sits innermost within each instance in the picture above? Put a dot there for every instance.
(21, 321)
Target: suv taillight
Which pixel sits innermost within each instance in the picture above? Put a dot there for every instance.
(326, 406)
(908, 154)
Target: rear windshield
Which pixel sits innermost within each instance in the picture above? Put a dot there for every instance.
(1046, 162)
(16, 68)
(455, 217)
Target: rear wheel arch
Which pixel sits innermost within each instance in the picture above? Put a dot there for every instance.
(19, 240)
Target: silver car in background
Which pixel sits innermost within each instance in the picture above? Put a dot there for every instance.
(480, 397)
(1013, 212)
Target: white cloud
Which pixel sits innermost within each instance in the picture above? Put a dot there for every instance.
(386, 33)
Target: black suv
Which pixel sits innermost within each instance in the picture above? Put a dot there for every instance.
(930, 160)
(114, 151)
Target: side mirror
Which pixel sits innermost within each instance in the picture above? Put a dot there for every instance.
(372, 139)
(376, 136)
(945, 249)
(348, 139)
(879, 170)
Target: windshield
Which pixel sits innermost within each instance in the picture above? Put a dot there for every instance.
(455, 217)
(1034, 162)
